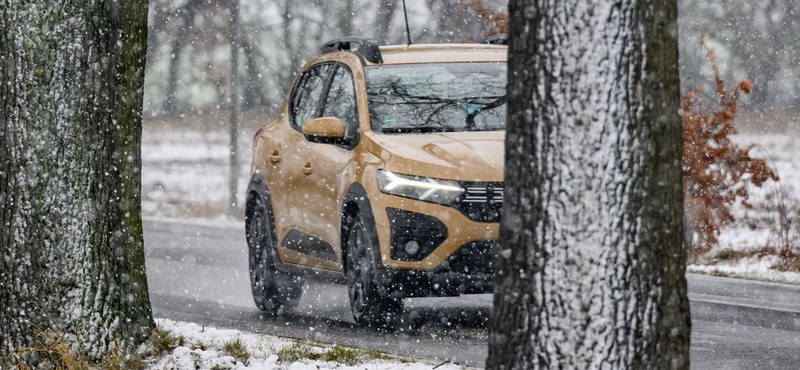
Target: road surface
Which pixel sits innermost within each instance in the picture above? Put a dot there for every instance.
(199, 273)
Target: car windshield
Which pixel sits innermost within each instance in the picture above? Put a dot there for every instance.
(437, 97)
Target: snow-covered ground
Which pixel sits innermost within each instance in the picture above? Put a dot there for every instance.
(756, 228)
(752, 268)
(185, 169)
(204, 348)
(185, 176)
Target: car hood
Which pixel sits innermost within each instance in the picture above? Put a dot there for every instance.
(466, 156)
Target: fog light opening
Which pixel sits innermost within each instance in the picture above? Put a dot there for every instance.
(412, 247)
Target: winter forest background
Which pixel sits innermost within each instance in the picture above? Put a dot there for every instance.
(188, 88)
(189, 45)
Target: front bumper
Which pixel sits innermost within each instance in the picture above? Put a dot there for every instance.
(470, 270)
(456, 253)
(460, 230)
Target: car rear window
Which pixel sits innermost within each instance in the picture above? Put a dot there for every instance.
(437, 97)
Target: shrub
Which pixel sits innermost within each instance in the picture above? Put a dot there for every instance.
(716, 170)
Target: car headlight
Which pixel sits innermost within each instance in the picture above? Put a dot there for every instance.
(422, 188)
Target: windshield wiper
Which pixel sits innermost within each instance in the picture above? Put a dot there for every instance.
(417, 130)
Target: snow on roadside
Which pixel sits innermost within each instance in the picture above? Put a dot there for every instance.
(185, 170)
(756, 228)
(752, 268)
(202, 350)
(222, 221)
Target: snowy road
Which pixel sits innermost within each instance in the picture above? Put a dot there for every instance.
(199, 273)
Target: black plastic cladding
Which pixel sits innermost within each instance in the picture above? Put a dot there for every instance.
(501, 39)
(366, 48)
(406, 226)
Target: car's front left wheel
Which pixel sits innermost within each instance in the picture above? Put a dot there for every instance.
(372, 304)
(272, 290)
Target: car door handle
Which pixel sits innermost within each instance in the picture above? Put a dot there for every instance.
(307, 169)
(275, 157)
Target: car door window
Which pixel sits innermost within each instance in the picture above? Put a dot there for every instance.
(341, 100)
(307, 94)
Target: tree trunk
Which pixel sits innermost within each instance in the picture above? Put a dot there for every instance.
(345, 19)
(70, 175)
(171, 99)
(592, 271)
(233, 127)
(383, 21)
(254, 95)
(187, 14)
(292, 52)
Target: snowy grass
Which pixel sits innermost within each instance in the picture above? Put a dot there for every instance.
(207, 348)
(175, 345)
(749, 247)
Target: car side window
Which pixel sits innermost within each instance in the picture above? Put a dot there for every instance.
(341, 100)
(307, 93)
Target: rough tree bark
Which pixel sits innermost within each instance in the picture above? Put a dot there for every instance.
(71, 238)
(592, 271)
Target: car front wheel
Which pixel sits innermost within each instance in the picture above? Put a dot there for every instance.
(371, 304)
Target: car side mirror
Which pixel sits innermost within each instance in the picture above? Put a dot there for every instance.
(325, 130)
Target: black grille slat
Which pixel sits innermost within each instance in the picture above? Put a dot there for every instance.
(481, 201)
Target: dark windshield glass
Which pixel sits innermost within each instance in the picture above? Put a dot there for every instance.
(437, 97)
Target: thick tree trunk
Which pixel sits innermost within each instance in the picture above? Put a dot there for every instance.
(71, 239)
(592, 272)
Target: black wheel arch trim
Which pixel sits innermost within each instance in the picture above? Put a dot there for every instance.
(356, 200)
(258, 187)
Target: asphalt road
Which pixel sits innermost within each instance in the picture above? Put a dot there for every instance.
(199, 273)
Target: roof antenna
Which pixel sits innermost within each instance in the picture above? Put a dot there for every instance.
(408, 30)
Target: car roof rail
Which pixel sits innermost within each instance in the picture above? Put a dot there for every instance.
(499, 39)
(366, 48)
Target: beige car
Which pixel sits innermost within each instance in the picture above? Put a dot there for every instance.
(383, 171)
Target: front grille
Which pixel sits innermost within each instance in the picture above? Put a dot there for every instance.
(481, 201)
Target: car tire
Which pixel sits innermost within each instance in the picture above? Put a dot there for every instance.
(371, 304)
(272, 289)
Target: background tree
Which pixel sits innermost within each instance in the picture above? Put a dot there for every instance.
(190, 76)
(71, 238)
(754, 40)
(592, 271)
